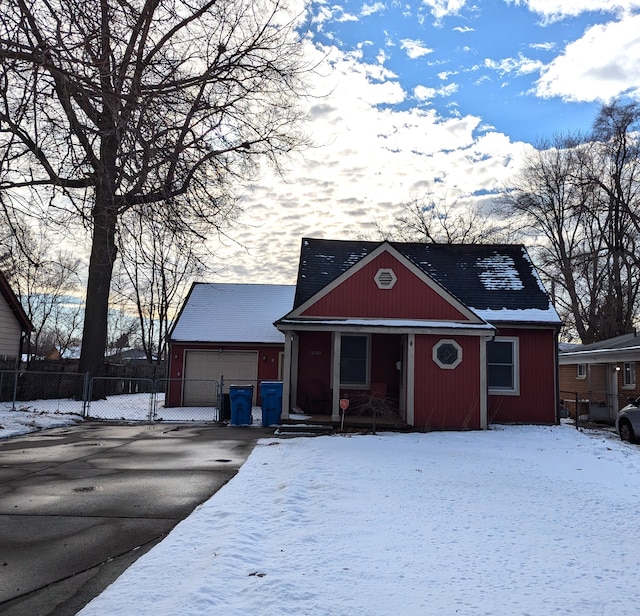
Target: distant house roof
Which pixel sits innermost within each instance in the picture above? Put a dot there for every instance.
(15, 305)
(498, 282)
(221, 312)
(620, 348)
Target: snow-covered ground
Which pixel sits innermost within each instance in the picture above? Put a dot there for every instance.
(33, 415)
(37, 415)
(511, 521)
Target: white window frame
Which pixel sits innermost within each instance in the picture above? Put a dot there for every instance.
(454, 344)
(367, 383)
(629, 383)
(581, 371)
(515, 389)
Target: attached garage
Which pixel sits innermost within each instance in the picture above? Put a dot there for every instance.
(226, 330)
(204, 367)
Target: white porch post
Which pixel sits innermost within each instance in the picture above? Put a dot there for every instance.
(286, 388)
(612, 403)
(411, 367)
(295, 346)
(335, 377)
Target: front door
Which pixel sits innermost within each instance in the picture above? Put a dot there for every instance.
(402, 376)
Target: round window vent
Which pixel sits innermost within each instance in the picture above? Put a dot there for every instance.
(385, 278)
(447, 354)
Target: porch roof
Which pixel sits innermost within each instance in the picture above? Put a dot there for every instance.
(391, 326)
(620, 348)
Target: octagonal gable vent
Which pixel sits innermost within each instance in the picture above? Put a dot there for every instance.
(385, 278)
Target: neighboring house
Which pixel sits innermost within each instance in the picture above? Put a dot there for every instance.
(225, 331)
(600, 376)
(458, 335)
(15, 325)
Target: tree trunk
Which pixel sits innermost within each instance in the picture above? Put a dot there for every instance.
(103, 254)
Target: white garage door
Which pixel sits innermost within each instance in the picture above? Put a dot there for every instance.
(203, 367)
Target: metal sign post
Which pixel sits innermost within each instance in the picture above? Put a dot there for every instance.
(344, 405)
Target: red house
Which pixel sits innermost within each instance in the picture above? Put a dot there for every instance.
(457, 336)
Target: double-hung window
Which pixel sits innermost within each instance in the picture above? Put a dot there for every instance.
(629, 375)
(502, 366)
(354, 361)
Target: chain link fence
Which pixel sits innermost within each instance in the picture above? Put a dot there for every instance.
(592, 406)
(113, 398)
(61, 392)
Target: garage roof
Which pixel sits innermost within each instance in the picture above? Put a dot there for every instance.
(220, 312)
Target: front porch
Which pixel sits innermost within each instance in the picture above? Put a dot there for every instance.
(326, 424)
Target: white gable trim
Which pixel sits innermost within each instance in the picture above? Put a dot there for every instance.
(471, 316)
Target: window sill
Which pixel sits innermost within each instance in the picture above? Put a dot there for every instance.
(503, 392)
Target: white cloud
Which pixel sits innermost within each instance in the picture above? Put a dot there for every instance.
(519, 66)
(415, 49)
(444, 8)
(543, 46)
(370, 9)
(553, 10)
(603, 64)
(464, 29)
(422, 93)
(367, 162)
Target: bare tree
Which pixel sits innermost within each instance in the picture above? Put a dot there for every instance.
(109, 107)
(156, 267)
(46, 280)
(577, 198)
(436, 220)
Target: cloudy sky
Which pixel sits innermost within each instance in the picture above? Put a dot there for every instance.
(438, 96)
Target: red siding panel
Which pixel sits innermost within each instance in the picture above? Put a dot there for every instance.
(447, 399)
(360, 297)
(536, 402)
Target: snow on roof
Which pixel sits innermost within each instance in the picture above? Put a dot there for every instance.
(499, 272)
(223, 312)
(526, 315)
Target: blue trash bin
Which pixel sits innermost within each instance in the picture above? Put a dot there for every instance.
(271, 394)
(240, 397)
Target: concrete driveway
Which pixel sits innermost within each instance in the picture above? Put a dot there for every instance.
(79, 505)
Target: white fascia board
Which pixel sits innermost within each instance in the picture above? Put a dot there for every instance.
(392, 326)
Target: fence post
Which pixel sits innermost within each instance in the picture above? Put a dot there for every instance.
(85, 394)
(152, 401)
(15, 390)
(220, 397)
(154, 398)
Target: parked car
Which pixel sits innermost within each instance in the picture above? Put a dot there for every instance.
(628, 421)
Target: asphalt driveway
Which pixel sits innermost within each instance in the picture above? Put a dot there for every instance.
(78, 505)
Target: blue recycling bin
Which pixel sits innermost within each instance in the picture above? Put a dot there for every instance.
(271, 394)
(240, 397)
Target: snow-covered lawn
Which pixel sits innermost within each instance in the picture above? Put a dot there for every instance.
(37, 415)
(33, 415)
(511, 521)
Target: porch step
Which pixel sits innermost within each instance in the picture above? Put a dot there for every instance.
(302, 429)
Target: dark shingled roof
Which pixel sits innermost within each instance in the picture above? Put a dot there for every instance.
(467, 271)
